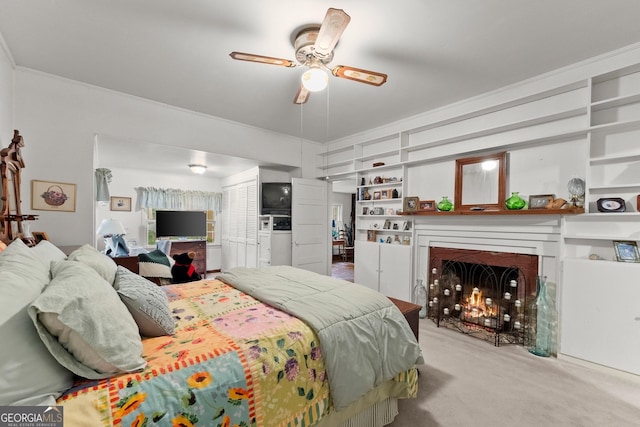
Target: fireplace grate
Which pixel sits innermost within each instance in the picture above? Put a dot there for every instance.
(481, 294)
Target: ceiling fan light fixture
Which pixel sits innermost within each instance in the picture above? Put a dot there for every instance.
(315, 79)
(198, 169)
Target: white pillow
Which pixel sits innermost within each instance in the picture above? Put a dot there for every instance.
(83, 323)
(29, 375)
(48, 252)
(101, 263)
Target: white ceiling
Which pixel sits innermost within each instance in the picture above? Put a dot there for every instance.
(435, 52)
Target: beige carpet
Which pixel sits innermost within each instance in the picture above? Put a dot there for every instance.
(469, 382)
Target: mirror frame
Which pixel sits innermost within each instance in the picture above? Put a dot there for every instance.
(501, 181)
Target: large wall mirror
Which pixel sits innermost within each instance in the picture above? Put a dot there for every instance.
(481, 182)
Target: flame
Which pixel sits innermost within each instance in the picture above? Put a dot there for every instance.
(475, 306)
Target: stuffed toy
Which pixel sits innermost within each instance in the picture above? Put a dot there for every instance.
(183, 270)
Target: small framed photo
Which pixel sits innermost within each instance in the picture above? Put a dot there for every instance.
(406, 226)
(385, 194)
(371, 235)
(39, 236)
(611, 204)
(395, 226)
(410, 204)
(387, 224)
(377, 195)
(365, 210)
(427, 206)
(626, 250)
(540, 201)
(121, 203)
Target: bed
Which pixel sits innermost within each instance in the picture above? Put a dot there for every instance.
(253, 347)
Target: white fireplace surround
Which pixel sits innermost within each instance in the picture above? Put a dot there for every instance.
(530, 235)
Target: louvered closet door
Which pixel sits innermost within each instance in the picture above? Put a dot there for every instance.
(226, 206)
(241, 215)
(251, 247)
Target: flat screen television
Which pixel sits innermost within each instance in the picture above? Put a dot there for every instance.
(181, 223)
(276, 198)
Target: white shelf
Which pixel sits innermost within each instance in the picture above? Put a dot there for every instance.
(609, 187)
(615, 126)
(377, 155)
(614, 159)
(615, 102)
(380, 200)
(338, 163)
(380, 216)
(500, 129)
(384, 184)
(379, 230)
(597, 237)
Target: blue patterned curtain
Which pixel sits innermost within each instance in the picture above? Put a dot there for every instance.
(171, 198)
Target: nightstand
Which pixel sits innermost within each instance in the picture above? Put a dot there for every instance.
(128, 262)
(410, 311)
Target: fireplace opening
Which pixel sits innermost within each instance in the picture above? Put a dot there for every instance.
(482, 293)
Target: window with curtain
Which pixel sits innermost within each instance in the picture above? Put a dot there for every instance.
(171, 198)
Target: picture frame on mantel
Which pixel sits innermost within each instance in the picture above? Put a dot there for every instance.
(540, 201)
(427, 206)
(410, 204)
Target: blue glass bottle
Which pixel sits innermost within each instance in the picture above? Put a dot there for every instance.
(543, 321)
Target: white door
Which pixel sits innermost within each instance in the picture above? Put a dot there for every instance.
(395, 271)
(310, 229)
(264, 249)
(367, 260)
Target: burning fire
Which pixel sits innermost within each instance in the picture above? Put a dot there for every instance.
(476, 305)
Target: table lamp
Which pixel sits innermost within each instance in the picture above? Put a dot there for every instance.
(112, 232)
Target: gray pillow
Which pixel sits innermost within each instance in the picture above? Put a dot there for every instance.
(83, 323)
(147, 303)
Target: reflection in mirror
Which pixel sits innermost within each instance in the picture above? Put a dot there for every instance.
(480, 182)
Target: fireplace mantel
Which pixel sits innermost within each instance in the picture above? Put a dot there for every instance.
(570, 211)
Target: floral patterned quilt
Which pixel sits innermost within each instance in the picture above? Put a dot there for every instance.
(233, 361)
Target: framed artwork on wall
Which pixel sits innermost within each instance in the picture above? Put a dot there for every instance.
(53, 196)
(120, 203)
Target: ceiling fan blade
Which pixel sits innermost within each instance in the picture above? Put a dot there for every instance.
(301, 96)
(335, 21)
(359, 75)
(240, 56)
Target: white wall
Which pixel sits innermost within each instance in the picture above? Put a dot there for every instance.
(59, 118)
(6, 96)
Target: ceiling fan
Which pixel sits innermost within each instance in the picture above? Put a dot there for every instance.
(314, 49)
